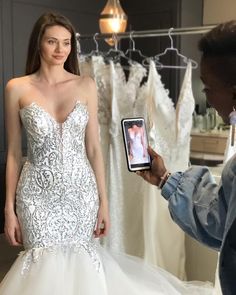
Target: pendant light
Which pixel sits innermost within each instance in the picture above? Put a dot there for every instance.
(112, 19)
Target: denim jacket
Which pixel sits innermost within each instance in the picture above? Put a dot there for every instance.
(207, 212)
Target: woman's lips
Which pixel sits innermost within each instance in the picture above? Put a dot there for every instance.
(58, 56)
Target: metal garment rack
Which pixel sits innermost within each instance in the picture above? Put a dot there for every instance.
(150, 33)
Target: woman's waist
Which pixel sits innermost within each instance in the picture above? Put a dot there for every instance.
(71, 163)
(41, 176)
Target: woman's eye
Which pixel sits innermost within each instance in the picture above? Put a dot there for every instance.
(67, 43)
(51, 41)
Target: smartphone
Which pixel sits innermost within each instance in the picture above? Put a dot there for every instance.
(136, 143)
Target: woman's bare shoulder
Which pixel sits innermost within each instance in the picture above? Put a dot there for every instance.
(86, 87)
(17, 84)
(87, 82)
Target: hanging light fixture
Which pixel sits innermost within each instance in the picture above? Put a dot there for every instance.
(112, 19)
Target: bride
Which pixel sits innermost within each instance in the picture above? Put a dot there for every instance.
(56, 205)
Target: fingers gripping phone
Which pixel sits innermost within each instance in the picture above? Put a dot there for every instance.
(136, 143)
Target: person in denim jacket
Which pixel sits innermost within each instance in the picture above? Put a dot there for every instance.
(203, 209)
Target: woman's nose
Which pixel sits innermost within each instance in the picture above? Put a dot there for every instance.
(59, 47)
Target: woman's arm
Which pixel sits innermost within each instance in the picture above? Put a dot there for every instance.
(13, 166)
(94, 154)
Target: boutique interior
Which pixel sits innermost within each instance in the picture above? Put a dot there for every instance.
(155, 60)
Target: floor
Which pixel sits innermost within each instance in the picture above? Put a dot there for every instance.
(8, 255)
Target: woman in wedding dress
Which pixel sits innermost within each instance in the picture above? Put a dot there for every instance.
(59, 194)
(137, 145)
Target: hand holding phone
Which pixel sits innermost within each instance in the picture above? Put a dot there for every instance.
(136, 143)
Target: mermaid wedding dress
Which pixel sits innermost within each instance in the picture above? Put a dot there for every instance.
(57, 203)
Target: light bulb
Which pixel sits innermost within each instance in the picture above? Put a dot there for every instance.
(112, 19)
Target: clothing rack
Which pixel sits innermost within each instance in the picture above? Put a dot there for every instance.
(150, 33)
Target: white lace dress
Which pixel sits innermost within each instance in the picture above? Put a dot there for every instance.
(169, 134)
(124, 198)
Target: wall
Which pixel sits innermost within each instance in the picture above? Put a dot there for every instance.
(2, 133)
(217, 11)
(192, 16)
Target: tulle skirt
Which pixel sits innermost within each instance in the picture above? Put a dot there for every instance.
(69, 272)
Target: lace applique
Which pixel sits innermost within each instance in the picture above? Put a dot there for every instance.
(33, 255)
(169, 128)
(185, 108)
(101, 73)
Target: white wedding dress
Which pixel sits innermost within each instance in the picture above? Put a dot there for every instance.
(138, 149)
(116, 97)
(169, 134)
(57, 203)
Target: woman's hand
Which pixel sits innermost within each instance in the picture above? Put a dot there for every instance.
(103, 221)
(12, 229)
(157, 170)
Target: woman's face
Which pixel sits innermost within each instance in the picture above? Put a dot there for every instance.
(219, 95)
(55, 45)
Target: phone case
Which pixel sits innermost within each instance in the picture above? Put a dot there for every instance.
(135, 144)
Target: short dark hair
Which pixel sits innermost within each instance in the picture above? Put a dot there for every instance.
(219, 45)
(46, 20)
(221, 40)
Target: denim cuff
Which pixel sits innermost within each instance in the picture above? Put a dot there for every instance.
(171, 185)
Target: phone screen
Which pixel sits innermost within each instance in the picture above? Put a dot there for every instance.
(136, 143)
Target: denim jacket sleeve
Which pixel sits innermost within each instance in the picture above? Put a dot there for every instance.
(197, 204)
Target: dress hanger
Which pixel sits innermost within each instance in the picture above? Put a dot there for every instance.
(184, 58)
(78, 44)
(95, 52)
(129, 51)
(115, 54)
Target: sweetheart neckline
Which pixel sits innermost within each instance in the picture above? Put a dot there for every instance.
(35, 104)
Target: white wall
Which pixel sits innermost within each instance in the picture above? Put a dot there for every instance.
(217, 11)
(200, 261)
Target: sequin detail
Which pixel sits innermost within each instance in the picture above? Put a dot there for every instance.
(57, 199)
(33, 255)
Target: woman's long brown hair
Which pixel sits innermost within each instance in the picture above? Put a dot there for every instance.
(33, 57)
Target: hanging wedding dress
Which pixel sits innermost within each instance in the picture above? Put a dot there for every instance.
(130, 198)
(116, 97)
(57, 203)
(126, 204)
(169, 134)
(96, 68)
